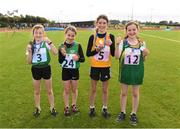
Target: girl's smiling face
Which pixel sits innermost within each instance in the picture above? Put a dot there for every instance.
(70, 36)
(132, 31)
(102, 25)
(38, 34)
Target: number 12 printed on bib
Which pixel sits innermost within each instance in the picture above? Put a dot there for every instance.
(132, 56)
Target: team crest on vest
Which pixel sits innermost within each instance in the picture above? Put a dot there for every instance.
(72, 51)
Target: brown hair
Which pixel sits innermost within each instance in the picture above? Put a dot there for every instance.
(102, 16)
(71, 28)
(132, 23)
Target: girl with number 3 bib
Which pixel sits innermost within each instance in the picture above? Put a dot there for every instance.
(38, 55)
(100, 48)
(70, 56)
(131, 53)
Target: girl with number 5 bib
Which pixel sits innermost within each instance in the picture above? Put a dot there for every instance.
(100, 48)
(38, 55)
(70, 56)
(131, 53)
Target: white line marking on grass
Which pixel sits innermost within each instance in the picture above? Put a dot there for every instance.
(154, 36)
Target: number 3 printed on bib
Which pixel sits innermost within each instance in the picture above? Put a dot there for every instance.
(69, 62)
(132, 56)
(40, 56)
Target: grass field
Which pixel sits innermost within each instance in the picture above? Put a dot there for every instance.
(159, 95)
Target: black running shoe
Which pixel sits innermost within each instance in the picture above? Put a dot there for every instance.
(121, 117)
(105, 113)
(67, 111)
(37, 112)
(92, 112)
(74, 109)
(53, 112)
(133, 119)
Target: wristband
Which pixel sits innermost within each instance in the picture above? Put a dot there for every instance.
(49, 43)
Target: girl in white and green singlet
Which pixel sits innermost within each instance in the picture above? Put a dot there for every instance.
(131, 53)
(70, 56)
(38, 55)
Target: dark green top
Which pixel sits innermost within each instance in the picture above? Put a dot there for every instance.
(131, 68)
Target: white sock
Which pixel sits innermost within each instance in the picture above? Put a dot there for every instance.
(92, 106)
(39, 108)
(133, 113)
(124, 112)
(51, 108)
(104, 107)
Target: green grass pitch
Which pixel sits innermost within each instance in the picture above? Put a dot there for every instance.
(159, 95)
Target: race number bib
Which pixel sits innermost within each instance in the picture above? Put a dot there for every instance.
(69, 62)
(103, 55)
(40, 56)
(132, 56)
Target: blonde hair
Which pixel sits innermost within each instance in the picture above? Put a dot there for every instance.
(38, 26)
(71, 28)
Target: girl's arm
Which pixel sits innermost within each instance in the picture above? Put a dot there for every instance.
(53, 48)
(112, 47)
(144, 50)
(81, 55)
(119, 47)
(51, 45)
(89, 51)
(61, 57)
(29, 54)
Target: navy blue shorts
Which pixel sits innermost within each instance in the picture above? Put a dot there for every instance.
(100, 73)
(70, 74)
(41, 72)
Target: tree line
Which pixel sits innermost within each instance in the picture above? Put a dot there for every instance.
(6, 21)
(29, 21)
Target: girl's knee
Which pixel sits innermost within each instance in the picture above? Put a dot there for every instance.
(124, 94)
(50, 92)
(37, 93)
(74, 91)
(66, 91)
(93, 90)
(135, 95)
(105, 91)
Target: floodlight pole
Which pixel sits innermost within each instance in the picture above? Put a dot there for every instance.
(151, 16)
(132, 11)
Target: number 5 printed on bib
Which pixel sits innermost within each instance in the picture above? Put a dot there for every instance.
(103, 55)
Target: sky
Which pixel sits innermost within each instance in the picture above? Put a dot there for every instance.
(84, 10)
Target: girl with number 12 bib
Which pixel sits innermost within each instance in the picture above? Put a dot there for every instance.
(131, 52)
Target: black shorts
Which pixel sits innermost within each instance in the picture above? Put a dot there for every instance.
(70, 74)
(100, 73)
(41, 72)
